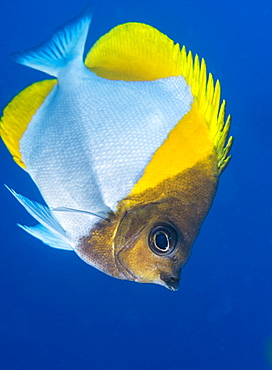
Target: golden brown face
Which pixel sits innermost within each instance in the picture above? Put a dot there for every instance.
(148, 250)
(149, 247)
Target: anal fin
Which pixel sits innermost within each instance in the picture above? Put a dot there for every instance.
(18, 114)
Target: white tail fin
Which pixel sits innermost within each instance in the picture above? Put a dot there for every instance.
(66, 45)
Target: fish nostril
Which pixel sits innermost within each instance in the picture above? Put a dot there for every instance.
(175, 259)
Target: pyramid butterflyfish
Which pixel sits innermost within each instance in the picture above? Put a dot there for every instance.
(126, 148)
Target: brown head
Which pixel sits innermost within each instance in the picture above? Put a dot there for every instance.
(149, 238)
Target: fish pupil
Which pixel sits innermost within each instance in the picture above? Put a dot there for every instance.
(162, 241)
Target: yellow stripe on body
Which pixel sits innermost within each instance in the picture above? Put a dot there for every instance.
(18, 114)
(187, 144)
(138, 52)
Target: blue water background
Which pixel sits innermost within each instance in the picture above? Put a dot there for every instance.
(56, 312)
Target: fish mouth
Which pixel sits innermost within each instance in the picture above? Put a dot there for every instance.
(170, 282)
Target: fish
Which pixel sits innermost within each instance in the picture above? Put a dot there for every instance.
(125, 145)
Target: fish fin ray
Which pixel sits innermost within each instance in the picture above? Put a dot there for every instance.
(47, 237)
(66, 44)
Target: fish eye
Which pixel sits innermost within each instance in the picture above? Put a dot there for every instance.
(163, 239)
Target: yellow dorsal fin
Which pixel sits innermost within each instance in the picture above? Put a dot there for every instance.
(19, 112)
(138, 52)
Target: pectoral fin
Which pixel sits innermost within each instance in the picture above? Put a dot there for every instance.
(49, 230)
(47, 237)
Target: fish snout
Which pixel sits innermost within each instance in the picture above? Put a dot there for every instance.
(170, 282)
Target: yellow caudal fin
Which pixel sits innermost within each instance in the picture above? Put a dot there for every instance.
(19, 112)
(138, 52)
(133, 52)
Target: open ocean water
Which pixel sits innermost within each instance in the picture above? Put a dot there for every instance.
(56, 312)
